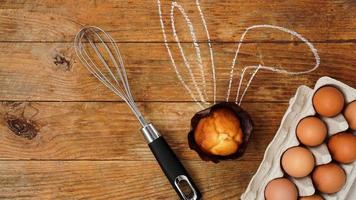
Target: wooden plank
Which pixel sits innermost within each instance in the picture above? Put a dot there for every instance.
(116, 179)
(64, 136)
(108, 131)
(52, 72)
(49, 20)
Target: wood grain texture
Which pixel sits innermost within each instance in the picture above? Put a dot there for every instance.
(138, 20)
(108, 130)
(51, 72)
(116, 179)
(64, 136)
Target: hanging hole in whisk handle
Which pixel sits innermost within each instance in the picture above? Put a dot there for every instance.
(174, 170)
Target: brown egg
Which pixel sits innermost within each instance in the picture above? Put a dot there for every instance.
(281, 189)
(311, 131)
(313, 197)
(328, 101)
(342, 147)
(350, 114)
(329, 178)
(298, 162)
(219, 133)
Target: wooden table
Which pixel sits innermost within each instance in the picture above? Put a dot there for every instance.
(65, 136)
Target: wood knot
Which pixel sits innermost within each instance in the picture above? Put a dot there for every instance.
(21, 127)
(62, 62)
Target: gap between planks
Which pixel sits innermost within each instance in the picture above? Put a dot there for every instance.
(200, 42)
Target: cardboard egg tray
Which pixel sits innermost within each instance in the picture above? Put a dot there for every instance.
(300, 106)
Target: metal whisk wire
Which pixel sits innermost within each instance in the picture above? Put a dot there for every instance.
(95, 36)
(107, 65)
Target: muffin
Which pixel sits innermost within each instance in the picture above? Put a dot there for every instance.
(220, 132)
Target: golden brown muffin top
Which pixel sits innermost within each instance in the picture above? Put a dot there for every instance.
(219, 133)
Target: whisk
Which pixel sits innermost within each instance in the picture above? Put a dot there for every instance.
(99, 53)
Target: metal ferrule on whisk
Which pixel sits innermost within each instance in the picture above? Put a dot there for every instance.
(111, 72)
(100, 54)
(150, 133)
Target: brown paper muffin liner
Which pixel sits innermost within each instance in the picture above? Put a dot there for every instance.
(246, 126)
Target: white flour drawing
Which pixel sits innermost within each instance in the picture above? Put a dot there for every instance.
(202, 94)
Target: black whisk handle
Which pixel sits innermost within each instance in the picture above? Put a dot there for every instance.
(174, 170)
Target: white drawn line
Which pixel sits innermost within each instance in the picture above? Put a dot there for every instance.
(171, 56)
(196, 45)
(273, 69)
(249, 81)
(210, 49)
(198, 55)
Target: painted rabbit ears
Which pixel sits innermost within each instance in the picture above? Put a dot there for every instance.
(192, 75)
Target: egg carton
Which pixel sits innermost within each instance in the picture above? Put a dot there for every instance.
(300, 106)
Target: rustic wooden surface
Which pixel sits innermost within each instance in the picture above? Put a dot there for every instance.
(64, 136)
